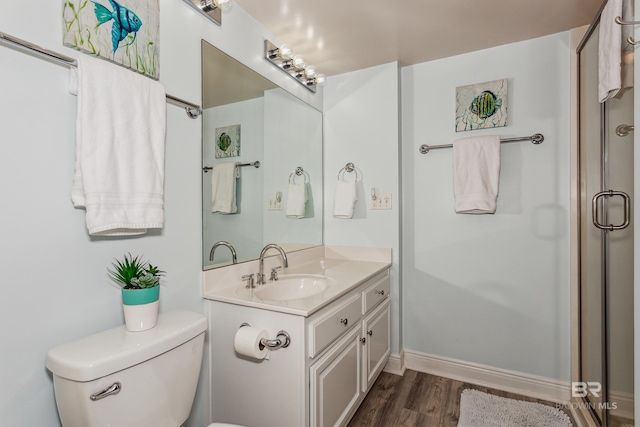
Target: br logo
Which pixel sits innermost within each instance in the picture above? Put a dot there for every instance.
(582, 389)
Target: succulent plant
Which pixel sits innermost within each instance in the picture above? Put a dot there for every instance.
(135, 273)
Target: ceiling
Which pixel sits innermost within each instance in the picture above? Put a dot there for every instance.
(245, 84)
(338, 36)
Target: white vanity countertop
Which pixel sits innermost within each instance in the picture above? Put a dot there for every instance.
(345, 267)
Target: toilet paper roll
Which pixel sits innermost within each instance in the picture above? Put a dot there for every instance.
(247, 342)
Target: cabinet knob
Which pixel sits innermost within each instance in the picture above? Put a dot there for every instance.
(370, 333)
(380, 292)
(363, 340)
(344, 321)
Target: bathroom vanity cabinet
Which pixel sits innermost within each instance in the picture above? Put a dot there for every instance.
(335, 355)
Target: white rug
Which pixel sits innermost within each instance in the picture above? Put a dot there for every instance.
(478, 409)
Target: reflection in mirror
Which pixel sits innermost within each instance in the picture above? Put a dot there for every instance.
(248, 119)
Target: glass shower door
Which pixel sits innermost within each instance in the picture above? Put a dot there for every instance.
(606, 247)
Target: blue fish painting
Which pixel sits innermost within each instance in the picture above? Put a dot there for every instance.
(125, 22)
(481, 105)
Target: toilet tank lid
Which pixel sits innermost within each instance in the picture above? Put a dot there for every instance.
(116, 349)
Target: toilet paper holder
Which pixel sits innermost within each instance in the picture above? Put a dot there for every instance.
(283, 339)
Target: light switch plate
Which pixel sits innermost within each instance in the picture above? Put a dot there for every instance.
(382, 202)
(274, 204)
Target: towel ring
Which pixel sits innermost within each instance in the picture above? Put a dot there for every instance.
(349, 167)
(299, 172)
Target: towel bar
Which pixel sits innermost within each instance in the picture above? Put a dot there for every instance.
(535, 139)
(192, 110)
(621, 22)
(255, 164)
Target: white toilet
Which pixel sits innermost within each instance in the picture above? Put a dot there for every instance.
(131, 379)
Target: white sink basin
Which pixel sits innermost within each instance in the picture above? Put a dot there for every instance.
(293, 286)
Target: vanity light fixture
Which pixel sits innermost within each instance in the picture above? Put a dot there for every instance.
(294, 65)
(212, 9)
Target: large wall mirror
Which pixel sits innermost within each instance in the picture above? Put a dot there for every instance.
(249, 119)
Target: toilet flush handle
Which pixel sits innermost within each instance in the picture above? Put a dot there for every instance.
(109, 391)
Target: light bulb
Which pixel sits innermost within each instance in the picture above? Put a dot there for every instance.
(298, 61)
(224, 5)
(321, 79)
(285, 51)
(310, 72)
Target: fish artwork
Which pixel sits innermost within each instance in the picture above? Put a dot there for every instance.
(485, 105)
(125, 22)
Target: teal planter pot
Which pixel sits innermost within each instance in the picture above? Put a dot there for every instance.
(140, 296)
(140, 308)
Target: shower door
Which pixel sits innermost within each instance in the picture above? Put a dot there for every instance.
(606, 247)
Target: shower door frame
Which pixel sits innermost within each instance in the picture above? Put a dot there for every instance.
(585, 412)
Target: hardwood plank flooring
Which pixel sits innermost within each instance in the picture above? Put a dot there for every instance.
(418, 400)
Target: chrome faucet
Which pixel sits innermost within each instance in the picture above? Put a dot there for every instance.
(227, 244)
(261, 280)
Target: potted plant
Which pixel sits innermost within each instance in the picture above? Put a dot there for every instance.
(140, 282)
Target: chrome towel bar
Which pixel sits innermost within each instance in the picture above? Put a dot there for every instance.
(192, 110)
(255, 164)
(535, 139)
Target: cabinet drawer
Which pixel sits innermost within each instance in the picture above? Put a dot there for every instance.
(327, 328)
(375, 294)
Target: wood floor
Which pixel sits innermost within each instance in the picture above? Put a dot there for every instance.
(418, 400)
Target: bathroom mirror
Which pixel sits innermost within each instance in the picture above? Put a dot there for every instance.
(250, 119)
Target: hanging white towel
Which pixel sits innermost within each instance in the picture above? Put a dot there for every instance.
(296, 200)
(627, 60)
(609, 51)
(120, 134)
(476, 174)
(223, 188)
(345, 199)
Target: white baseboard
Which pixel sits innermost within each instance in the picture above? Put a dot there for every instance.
(395, 364)
(489, 376)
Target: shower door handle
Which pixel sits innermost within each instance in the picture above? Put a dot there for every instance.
(627, 210)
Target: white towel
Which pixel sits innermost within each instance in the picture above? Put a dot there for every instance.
(609, 51)
(120, 134)
(476, 174)
(296, 200)
(223, 188)
(628, 49)
(345, 199)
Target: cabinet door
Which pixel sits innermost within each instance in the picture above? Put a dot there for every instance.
(335, 382)
(375, 329)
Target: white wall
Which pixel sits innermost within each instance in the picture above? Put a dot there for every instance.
(362, 127)
(54, 275)
(243, 229)
(490, 289)
(292, 138)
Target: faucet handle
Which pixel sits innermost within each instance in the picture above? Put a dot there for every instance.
(274, 273)
(249, 279)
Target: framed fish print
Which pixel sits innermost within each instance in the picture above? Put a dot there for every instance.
(481, 106)
(123, 31)
(227, 141)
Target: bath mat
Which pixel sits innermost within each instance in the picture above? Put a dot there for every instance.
(481, 409)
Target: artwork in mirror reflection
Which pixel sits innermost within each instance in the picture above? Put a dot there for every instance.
(282, 133)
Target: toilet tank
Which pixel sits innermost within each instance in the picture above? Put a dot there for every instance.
(157, 371)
